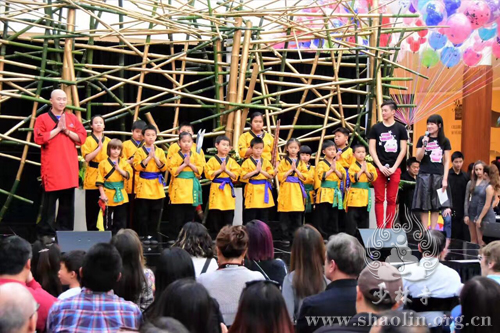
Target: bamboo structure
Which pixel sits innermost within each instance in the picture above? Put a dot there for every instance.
(222, 60)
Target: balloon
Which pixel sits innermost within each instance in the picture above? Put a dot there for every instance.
(452, 6)
(459, 29)
(434, 13)
(415, 47)
(437, 41)
(450, 56)
(422, 40)
(478, 13)
(412, 9)
(471, 57)
(399, 6)
(494, 9)
(495, 48)
(479, 45)
(489, 32)
(429, 58)
(421, 33)
(421, 4)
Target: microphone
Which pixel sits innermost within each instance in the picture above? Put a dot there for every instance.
(425, 139)
(427, 133)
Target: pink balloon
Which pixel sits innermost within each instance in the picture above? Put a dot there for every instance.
(408, 20)
(478, 46)
(459, 29)
(495, 48)
(471, 57)
(478, 13)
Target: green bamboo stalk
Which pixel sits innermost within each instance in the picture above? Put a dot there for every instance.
(17, 197)
(35, 47)
(39, 100)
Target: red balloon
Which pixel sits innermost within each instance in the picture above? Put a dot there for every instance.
(422, 40)
(415, 47)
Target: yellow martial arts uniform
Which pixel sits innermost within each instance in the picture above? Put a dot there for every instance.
(175, 148)
(91, 144)
(129, 149)
(357, 196)
(150, 188)
(108, 174)
(346, 158)
(247, 137)
(221, 199)
(255, 194)
(291, 197)
(324, 194)
(181, 189)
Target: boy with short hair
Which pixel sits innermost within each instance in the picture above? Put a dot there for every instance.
(130, 147)
(457, 179)
(358, 197)
(407, 219)
(257, 172)
(151, 163)
(223, 171)
(305, 156)
(69, 273)
(345, 158)
(328, 177)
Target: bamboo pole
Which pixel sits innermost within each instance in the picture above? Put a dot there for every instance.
(248, 99)
(233, 76)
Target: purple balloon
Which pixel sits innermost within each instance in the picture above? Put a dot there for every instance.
(412, 9)
(452, 6)
(494, 8)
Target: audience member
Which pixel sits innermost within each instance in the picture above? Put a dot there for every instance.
(164, 325)
(345, 259)
(174, 264)
(15, 266)
(262, 309)
(45, 266)
(137, 282)
(18, 309)
(379, 285)
(395, 321)
(69, 273)
(195, 240)
(490, 261)
(261, 252)
(306, 275)
(96, 308)
(227, 283)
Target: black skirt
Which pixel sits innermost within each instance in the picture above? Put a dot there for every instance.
(425, 197)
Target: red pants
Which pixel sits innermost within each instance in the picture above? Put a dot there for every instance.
(380, 185)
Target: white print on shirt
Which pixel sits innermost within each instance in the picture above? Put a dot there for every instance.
(390, 143)
(436, 154)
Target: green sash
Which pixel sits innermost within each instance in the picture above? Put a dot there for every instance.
(197, 199)
(364, 186)
(337, 194)
(308, 188)
(117, 186)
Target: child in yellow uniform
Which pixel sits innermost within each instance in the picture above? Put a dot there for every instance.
(223, 171)
(111, 177)
(292, 173)
(256, 131)
(93, 151)
(344, 158)
(185, 168)
(257, 172)
(328, 178)
(151, 163)
(358, 197)
(305, 156)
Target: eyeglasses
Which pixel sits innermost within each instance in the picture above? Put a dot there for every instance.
(37, 306)
(272, 282)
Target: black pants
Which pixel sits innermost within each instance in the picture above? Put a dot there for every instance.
(115, 218)
(148, 215)
(327, 219)
(92, 209)
(132, 222)
(459, 230)
(65, 213)
(180, 214)
(289, 222)
(261, 214)
(220, 218)
(342, 218)
(357, 217)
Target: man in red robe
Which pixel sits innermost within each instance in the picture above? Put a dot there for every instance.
(58, 133)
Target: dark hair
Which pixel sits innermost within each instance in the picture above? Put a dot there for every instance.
(221, 138)
(255, 115)
(305, 149)
(307, 261)
(139, 124)
(97, 116)
(186, 124)
(232, 241)
(256, 141)
(173, 264)
(114, 143)
(195, 240)
(101, 267)
(183, 134)
(438, 120)
(289, 142)
(131, 283)
(262, 309)
(470, 168)
(480, 298)
(432, 243)
(163, 325)
(73, 261)
(356, 146)
(473, 176)
(45, 266)
(397, 321)
(14, 254)
(457, 154)
(342, 130)
(149, 127)
(390, 103)
(188, 302)
(411, 160)
(347, 252)
(328, 144)
(260, 241)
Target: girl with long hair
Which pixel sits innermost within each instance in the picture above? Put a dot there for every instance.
(45, 266)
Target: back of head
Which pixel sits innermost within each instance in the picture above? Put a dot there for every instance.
(164, 325)
(396, 321)
(73, 261)
(14, 254)
(432, 243)
(480, 298)
(195, 240)
(232, 241)
(380, 284)
(101, 267)
(262, 309)
(45, 267)
(260, 244)
(17, 308)
(188, 302)
(174, 264)
(491, 254)
(307, 261)
(347, 252)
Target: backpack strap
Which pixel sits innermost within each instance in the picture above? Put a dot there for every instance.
(205, 266)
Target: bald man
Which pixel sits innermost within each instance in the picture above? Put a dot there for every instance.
(18, 309)
(58, 132)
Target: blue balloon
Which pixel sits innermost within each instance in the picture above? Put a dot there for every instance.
(488, 33)
(421, 4)
(433, 18)
(451, 6)
(450, 56)
(437, 41)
